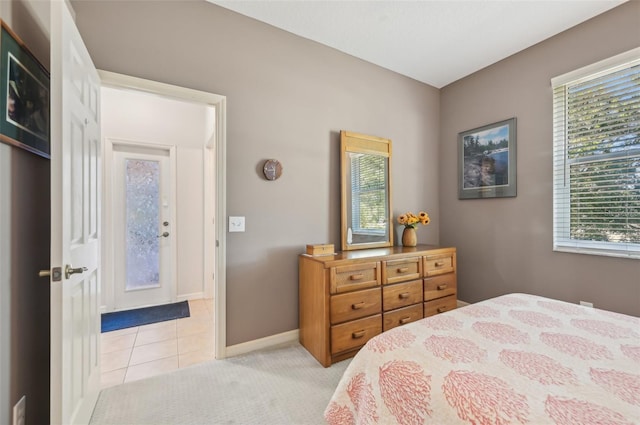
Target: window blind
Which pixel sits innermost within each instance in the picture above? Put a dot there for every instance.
(596, 133)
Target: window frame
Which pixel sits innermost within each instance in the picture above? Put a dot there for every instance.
(562, 240)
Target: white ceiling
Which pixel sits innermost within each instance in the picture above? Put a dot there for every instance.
(436, 42)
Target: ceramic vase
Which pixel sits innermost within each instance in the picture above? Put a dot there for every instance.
(409, 237)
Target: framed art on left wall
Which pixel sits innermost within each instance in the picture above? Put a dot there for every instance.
(24, 96)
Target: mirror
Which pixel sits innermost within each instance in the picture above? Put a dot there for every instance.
(365, 188)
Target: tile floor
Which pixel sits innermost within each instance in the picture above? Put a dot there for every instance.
(144, 351)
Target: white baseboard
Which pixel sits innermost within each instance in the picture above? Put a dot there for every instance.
(192, 296)
(261, 343)
(462, 303)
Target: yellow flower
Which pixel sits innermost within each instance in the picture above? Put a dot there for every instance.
(424, 218)
(409, 219)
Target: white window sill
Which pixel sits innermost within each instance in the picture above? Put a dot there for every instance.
(596, 251)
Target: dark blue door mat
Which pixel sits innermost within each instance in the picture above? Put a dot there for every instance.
(144, 316)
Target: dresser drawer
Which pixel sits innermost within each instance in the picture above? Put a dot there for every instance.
(440, 305)
(439, 286)
(354, 277)
(401, 316)
(394, 271)
(401, 294)
(354, 305)
(354, 334)
(438, 264)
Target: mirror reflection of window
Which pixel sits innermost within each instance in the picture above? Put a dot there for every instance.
(366, 193)
(368, 188)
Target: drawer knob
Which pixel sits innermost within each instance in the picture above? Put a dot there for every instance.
(357, 306)
(439, 263)
(403, 295)
(403, 269)
(405, 320)
(358, 334)
(442, 309)
(356, 277)
(442, 287)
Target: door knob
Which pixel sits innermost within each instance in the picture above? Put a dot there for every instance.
(164, 235)
(68, 270)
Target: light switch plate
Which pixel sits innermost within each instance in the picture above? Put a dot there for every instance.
(236, 224)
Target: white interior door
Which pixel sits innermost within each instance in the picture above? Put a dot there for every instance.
(143, 231)
(75, 223)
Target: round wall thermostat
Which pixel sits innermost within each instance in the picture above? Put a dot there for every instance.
(272, 169)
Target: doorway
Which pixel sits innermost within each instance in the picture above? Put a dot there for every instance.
(199, 158)
(167, 136)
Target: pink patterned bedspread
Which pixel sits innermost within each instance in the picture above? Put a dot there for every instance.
(514, 359)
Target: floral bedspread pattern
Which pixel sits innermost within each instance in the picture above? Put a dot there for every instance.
(514, 359)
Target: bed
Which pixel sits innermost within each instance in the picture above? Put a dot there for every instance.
(514, 359)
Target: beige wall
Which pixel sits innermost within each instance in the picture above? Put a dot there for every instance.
(505, 245)
(24, 235)
(287, 98)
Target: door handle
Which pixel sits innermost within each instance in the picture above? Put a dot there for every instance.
(44, 273)
(68, 270)
(164, 235)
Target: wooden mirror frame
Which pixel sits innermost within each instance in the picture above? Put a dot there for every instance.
(359, 143)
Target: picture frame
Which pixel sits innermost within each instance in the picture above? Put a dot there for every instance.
(24, 96)
(487, 161)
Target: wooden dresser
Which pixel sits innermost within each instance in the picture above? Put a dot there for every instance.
(352, 296)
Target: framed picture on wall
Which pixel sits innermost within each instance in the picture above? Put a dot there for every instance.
(487, 161)
(24, 96)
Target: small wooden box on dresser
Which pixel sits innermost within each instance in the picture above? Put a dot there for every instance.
(352, 296)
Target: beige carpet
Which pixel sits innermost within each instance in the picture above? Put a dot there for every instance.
(283, 385)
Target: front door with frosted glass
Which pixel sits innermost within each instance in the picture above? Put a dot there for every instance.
(143, 226)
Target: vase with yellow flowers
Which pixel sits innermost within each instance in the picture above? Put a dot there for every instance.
(410, 221)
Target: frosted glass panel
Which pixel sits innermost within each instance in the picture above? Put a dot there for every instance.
(142, 191)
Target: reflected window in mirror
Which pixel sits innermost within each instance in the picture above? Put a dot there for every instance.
(366, 206)
(368, 189)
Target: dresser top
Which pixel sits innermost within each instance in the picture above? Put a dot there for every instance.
(376, 254)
